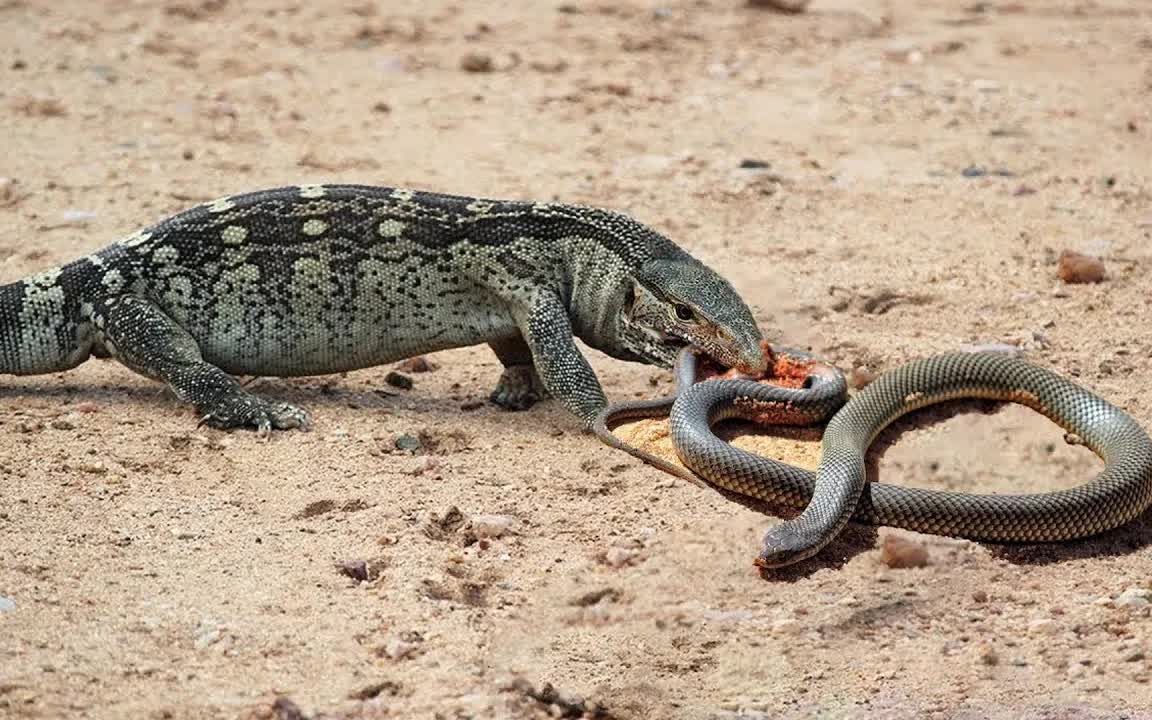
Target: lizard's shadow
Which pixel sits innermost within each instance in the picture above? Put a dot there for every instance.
(318, 391)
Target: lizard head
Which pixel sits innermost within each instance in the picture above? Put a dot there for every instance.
(678, 302)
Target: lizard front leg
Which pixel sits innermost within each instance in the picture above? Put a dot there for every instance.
(142, 337)
(564, 372)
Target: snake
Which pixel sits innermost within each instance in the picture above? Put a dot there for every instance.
(838, 491)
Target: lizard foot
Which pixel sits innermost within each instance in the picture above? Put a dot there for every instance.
(519, 388)
(253, 412)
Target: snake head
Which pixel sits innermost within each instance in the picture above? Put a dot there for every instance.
(679, 302)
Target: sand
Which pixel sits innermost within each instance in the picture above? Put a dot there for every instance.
(927, 162)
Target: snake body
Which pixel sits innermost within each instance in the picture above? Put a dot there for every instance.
(838, 492)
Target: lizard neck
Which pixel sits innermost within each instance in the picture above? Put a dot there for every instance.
(599, 282)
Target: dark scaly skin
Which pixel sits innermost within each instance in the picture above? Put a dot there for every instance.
(825, 391)
(322, 279)
(838, 492)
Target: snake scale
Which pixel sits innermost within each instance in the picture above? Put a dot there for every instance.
(838, 492)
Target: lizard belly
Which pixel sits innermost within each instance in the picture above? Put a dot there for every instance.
(329, 328)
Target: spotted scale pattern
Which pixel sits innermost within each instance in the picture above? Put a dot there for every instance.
(321, 279)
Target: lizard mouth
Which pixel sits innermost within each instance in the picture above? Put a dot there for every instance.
(673, 341)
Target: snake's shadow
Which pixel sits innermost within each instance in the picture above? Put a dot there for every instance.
(857, 538)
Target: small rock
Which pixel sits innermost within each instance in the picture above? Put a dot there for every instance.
(1134, 597)
(7, 604)
(360, 570)
(899, 552)
(398, 380)
(316, 508)
(1043, 626)
(29, 426)
(408, 443)
(619, 557)
(418, 364)
(1075, 268)
(752, 164)
(1133, 655)
(476, 62)
(401, 646)
(62, 423)
(491, 526)
(987, 655)
(787, 6)
(440, 527)
(787, 626)
(40, 106)
(376, 689)
(549, 66)
(860, 378)
(594, 597)
(980, 596)
(7, 191)
(284, 709)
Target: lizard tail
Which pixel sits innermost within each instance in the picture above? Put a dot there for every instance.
(39, 328)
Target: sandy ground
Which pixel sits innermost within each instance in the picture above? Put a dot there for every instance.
(927, 163)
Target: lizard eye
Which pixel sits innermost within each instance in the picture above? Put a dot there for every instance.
(683, 312)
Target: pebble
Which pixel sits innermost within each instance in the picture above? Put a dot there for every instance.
(1043, 626)
(860, 378)
(1134, 655)
(787, 626)
(62, 423)
(7, 604)
(1134, 597)
(899, 552)
(475, 62)
(1076, 268)
(7, 191)
(987, 655)
(491, 526)
(399, 648)
(418, 364)
(360, 570)
(408, 443)
(619, 557)
(788, 6)
(398, 380)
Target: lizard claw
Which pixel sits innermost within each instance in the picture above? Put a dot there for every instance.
(519, 388)
(262, 415)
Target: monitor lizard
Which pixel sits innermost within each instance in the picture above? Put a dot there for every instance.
(318, 279)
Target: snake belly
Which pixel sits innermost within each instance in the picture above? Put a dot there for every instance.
(838, 492)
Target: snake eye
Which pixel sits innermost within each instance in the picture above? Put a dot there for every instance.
(683, 312)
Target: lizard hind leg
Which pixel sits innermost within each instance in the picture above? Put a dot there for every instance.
(145, 339)
(520, 386)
